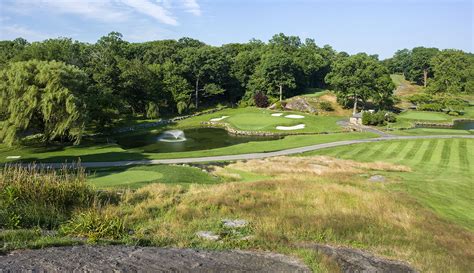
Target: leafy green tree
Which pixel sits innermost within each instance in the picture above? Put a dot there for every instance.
(361, 77)
(138, 85)
(400, 62)
(311, 63)
(204, 65)
(103, 67)
(275, 72)
(177, 92)
(11, 50)
(43, 97)
(453, 72)
(420, 68)
(61, 49)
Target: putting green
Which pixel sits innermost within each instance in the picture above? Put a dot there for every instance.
(107, 179)
(429, 116)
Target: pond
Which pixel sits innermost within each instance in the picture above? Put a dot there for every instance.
(192, 140)
(464, 124)
(457, 124)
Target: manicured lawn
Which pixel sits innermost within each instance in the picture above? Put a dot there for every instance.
(430, 131)
(113, 152)
(441, 177)
(425, 116)
(138, 176)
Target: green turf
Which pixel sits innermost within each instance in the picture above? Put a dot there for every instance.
(431, 131)
(113, 152)
(425, 116)
(138, 176)
(257, 119)
(442, 171)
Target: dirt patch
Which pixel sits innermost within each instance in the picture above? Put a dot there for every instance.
(145, 259)
(355, 260)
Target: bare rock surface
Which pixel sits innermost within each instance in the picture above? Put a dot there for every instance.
(300, 104)
(356, 260)
(377, 178)
(145, 259)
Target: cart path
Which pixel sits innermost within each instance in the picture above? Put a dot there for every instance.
(247, 156)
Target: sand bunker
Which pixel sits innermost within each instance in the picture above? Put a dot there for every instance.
(277, 115)
(294, 116)
(219, 119)
(287, 128)
(13, 157)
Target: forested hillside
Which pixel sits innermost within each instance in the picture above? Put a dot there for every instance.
(60, 87)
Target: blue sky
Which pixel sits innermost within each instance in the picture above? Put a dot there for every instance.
(372, 26)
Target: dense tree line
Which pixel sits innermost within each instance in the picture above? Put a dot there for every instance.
(447, 71)
(59, 87)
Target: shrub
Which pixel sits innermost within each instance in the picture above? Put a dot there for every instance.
(261, 100)
(30, 196)
(421, 98)
(326, 106)
(378, 118)
(436, 107)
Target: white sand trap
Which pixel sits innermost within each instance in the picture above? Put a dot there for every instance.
(277, 115)
(13, 156)
(219, 119)
(288, 128)
(294, 116)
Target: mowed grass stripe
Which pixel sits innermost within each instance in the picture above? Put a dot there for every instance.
(463, 154)
(454, 162)
(409, 146)
(353, 151)
(343, 151)
(376, 150)
(428, 152)
(360, 153)
(416, 147)
(385, 154)
(396, 152)
(445, 154)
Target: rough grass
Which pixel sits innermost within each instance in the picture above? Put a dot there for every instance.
(441, 176)
(334, 207)
(37, 197)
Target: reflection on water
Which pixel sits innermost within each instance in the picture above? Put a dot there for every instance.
(196, 139)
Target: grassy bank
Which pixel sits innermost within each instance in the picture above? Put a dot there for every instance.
(441, 176)
(296, 200)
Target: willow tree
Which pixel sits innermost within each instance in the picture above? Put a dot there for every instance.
(46, 98)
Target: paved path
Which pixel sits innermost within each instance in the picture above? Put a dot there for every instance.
(250, 156)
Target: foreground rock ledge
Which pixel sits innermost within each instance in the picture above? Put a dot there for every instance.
(145, 259)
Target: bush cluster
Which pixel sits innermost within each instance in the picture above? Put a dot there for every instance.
(378, 118)
(261, 100)
(436, 103)
(326, 106)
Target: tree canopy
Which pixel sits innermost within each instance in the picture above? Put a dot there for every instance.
(43, 97)
(361, 77)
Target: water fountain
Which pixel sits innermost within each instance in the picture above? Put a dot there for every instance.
(172, 136)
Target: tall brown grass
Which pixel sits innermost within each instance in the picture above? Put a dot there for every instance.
(32, 196)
